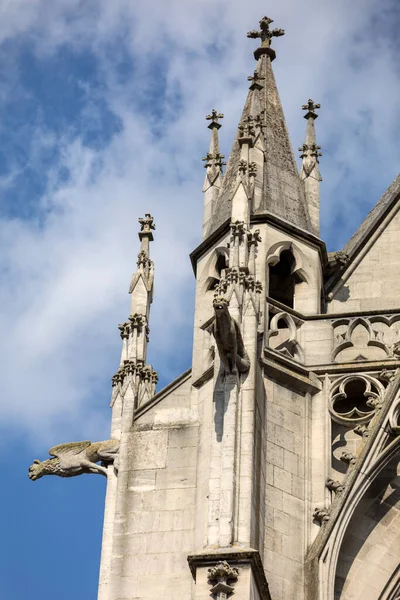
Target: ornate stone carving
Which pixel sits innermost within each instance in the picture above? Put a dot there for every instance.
(143, 379)
(76, 458)
(354, 398)
(364, 338)
(228, 338)
(253, 238)
(386, 375)
(255, 79)
(124, 329)
(221, 577)
(309, 154)
(253, 172)
(321, 515)
(136, 322)
(266, 35)
(213, 117)
(242, 166)
(334, 486)
(246, 130)
(361, 430)
(214, 160)
(311, 107)
(147, 224)
(348, 458)
(283, 333)
(341, 258)
(238, 229)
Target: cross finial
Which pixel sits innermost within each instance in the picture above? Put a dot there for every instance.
(311, 107)
(146, 224)
(255, 79)
(265, 33)
(214, 119)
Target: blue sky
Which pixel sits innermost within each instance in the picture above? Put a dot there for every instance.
(102, 110)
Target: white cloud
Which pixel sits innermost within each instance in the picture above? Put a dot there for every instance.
(66, 275)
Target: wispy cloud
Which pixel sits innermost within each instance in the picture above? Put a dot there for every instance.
(133, 143)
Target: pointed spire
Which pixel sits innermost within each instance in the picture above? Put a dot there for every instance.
(262, 140)
(309, 174)
(134, 374)
(213, 164)
(141, 288)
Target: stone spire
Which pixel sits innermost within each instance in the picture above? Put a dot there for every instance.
(309, 174)
(133, 372)
(262, 140)
(213, 164)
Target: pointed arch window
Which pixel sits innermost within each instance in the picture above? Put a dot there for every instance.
(216, 267)
(282, 279)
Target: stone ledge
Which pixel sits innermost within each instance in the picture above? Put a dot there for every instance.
(235, 557)
(289, 373)
(206, 376)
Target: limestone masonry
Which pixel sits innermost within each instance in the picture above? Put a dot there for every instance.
(270, 469)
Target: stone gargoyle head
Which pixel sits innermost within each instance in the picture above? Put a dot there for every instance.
(220, 304)
(38, 469)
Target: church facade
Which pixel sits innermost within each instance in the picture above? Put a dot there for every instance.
(271, 469)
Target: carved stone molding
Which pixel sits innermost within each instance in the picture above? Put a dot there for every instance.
(363, 338)
(221, 577)
(283, 334)
(353, 399)
(136, 321)
(141, 377)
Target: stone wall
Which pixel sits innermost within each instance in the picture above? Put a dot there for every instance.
(374, 283)
(285, 492)
(154, 529)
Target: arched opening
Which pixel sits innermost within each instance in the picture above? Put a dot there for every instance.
(368, 561)
(217, 268)
(282, 279)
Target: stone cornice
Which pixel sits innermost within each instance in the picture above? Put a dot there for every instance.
(264, 217)
(331, 316)
(289, 373)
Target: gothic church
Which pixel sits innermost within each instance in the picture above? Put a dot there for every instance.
(269, 470)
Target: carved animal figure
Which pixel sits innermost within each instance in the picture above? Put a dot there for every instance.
(228, 338)
(76, 458)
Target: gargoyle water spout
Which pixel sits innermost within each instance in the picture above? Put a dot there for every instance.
(76, 458)
(228, 338)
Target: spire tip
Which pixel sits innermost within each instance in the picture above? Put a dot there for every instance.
(266, 35)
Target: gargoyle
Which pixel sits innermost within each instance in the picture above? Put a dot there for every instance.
(228, 338)
(76, 458)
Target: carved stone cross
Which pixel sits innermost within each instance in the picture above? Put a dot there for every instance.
(310, 107)
(255, 81)
(214, 119)
(147, 224)
(265, 33)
